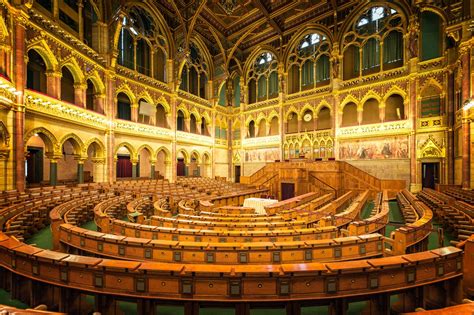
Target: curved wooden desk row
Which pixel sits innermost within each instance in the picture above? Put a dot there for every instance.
(134, 208)
(292, 203)
(230, 282)
(344, 248)
(232, 199)
(226, 226)
(348, 215)
(119, 227)
(328, 209)
(301, 210)
(374, 223)
(413, 233)
(217, 218)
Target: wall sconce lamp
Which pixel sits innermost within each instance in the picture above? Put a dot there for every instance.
(468, 104)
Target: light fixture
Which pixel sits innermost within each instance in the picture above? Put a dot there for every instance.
(468, 104)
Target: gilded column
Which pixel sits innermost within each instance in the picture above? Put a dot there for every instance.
(110, 134)
(466, 151)
(415, 185)
(450, 123)
(19, 109)
(466, 122)
(134, 168)
(80, 171)
(152, 169)
(53, 171)
(134, 109)
(53, 83)
(80, 94)
(172, 163)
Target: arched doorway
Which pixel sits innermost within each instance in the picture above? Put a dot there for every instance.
(163, 165)
(68, 164)
(181, 167)
(94, 165)
(144, 163)
(124, 162)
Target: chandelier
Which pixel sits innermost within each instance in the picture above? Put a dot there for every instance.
(228, 5)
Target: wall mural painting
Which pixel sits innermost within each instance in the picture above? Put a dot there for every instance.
(262, 155)
(374, 149)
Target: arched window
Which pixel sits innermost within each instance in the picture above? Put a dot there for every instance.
(142, 46)
(431, 42)
(124, 110)
(222, 95)
(193, 124)
(351, 62)
(292, 123)
(431, 101)
(180, 121)
(90, 92)
(160, 119)
(204, 127)
(143, 57)
(126, 48)
(394, 108)
(370, 113)
(36, 72)
(236, 84)
(90, 19)
(67, 86)
(263, 78)
(252, 91)
(252, 129)
(308, 121)
(349, 115)
(262, 128)
(363, 53)
(145, 111)
(324, 119)
(194, 74)
(274, 127)
(309, 62)
(393, 50)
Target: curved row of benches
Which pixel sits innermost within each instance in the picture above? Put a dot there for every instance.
(230, 282)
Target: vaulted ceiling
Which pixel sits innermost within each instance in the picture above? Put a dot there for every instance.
(240, 25)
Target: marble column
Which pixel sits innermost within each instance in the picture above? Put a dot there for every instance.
(80, 171)
(152, 169)
(134, 112)
(134, 169)
(53, 84)
(80, 94)
(53, 171)
(19, 109)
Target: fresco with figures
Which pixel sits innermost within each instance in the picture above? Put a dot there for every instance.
(262, 155)
(382, 148)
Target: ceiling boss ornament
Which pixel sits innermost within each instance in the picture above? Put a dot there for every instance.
(228, 5)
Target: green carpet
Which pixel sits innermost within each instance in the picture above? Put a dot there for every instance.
(90, 226)
(42, 239)
(267, 311)
(433, 239)
(5, 299)
(216, 311)
(169, 310)
(395, 215)
(365, 213)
